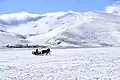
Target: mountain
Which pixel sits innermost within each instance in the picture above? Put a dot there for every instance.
(7, 38)
(61, 29)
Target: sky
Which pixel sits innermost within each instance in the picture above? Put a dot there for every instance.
(44, 6)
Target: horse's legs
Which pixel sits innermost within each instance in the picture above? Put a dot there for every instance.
(46, 54)
(42, 54)
(49, 53)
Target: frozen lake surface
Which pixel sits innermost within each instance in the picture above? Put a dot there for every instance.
(63, 64)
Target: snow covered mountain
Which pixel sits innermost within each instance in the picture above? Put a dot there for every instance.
(7, 38)
(61, 29)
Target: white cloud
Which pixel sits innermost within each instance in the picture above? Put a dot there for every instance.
(115, 8)
(17, 16)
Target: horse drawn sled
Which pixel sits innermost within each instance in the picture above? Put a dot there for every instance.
(42, 52)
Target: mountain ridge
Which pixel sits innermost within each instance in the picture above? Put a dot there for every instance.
(73, 29)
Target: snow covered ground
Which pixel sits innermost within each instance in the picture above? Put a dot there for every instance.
(63, 64)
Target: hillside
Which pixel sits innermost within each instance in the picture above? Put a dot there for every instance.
(61, 29)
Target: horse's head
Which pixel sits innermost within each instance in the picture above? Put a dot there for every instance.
(48, 49)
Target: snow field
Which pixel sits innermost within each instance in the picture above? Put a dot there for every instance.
(63, 64)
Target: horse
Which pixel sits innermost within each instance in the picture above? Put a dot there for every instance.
(46, 51)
